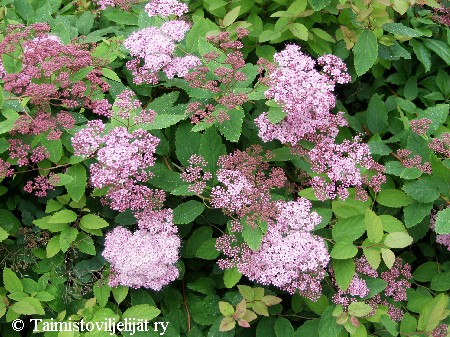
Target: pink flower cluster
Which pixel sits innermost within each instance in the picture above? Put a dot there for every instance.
(441, 145)
(420, 126)
(339, 169)
(47, 68)
(122, 160)
(397, 279)
(146, 257)
(414, 162)
(306, 96)
(154, 48)
(290, 256)
(165, 8)
(246, 182)
(123, 4)
(193, 174)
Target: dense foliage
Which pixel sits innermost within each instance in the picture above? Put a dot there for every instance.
(225, 168)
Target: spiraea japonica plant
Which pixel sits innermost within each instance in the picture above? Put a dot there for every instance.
(246, 168)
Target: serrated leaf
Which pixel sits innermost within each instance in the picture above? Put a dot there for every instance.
(187, 212)
(365, 51)
(268, 35)
(77, 186)
(252, 236)
(247, 292)
(377, 116)
(231, 277)
(92, 221)
(187, 142)
(141, 311)
(85, 244)
(63, 216)
(440, 48)
(108, 73)
(328, 326)
(393, 198)
(11, 282)
(101, 292)
(343, 250)
(231, 128)
(398, 240)
(211, 148)
(359, 309)
(344, 270)
(424, 190)
(317, 5)
(28, 306)
(53, 246)
(401, 30)
(374, 226)
(231, 16)
(442, 224)
(207, 250)
(388, 257)
(226, 308)
(66, 238)
(299, 30)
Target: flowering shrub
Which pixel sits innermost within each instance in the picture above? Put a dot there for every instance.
(228, 168)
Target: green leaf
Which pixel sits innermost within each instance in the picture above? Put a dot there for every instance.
(359, 309)
(372, 255)
(344, 270)
(349, 229)
(54, 148)
(161, 121)
(28, 306)
(66, 238)
(121, 17)
(299, 30)
(317, 5)
(85, 244)
(231, 277)
(415, 212)
(408, 324)
(343, 250)
(283, 328)
(85, 22)
(63, 216)
(388, 257)
(374, 226)
(365, 51)
(226, 308)
(53, 246)
(231, 128)
(77, 186)
(398, 240)
(187, 212)
(211, 148)
(101, 292)
(401, 30)
(108, 73)
(187, 142)
(231, 16)
(426, 271)
(424, 190)
(443, 222)
(393, 198)
(119, 293)
(328, 326)
(141, 311)
(3, 234)
(11, 282)
(268, 35)
(441, 281)
(207, 250)
(92, 221)
(199, 236)
(376, 115)
(252, 236)
(440, 48)
(433, 312)
(276, 114)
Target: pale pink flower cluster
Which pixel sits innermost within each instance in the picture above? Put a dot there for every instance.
(165, 8)
(123, 4)
(306, 96)
(414, 161)
(122, 160)
(154, 48)
(398, 280)
(145, 258)
(357, 288)
(290, 257)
